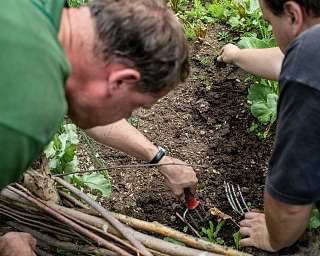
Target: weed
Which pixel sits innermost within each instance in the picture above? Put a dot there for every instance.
(211, 233)
(178, 5)
(76, 3)
(236, 239)
(206, 61)
(225, 37)
(200, 30)
(189, 31)
(314, 221)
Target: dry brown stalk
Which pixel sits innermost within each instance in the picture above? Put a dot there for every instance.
(72, 199)
(158, 228)
(42, 205)
(37, 224)
(107, 215)
(142, 225)
(62, 245)
(98, 230)
(149, 241)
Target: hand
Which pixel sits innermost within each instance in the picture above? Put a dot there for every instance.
(254, 228)
(228, 53)
(17, 243)
(178, 177)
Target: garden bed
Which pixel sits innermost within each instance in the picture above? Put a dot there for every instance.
(205, 122)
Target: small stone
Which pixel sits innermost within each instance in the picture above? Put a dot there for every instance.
(202, 132)
(173, 218)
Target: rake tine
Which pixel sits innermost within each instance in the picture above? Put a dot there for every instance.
(185, 213)
(242, 199)
(230, 199)
(237, 201)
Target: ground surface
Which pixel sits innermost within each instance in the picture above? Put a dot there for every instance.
(205, 122)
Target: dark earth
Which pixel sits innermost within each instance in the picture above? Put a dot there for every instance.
(204, 122)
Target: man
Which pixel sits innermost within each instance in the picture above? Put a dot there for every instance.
(292, 185)
(97, 63)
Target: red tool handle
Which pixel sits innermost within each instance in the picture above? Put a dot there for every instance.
(191, 201)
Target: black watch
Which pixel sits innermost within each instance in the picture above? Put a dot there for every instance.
(161, 153)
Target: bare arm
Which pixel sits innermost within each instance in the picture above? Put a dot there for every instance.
(286, 223)
(264, 62)
(124, 137)
(280, 226)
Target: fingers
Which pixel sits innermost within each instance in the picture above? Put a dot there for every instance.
(245, 223)
(247, 242)
(252, 215)
(220, 58)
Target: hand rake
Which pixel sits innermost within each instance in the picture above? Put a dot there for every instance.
(235, 199)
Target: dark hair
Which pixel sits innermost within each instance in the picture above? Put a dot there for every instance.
(145, 35)
(312, 7)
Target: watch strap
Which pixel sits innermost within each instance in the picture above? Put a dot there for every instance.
(161, 153)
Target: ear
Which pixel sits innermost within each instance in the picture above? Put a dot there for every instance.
(296, 17)
(123, 77)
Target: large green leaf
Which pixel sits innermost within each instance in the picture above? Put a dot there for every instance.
(265, 111)
(252, 42)
(98, 182)
(259, 92)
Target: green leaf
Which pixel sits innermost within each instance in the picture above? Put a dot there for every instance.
(171, 240)
(218, 228)
(252, 42)
(265, 111)
(259, 92)
(185, 229)
(314, 221)
(98, 182)
(236, 238)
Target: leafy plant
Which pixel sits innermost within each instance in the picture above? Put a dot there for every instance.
(95, 181)
(263, 100)
(236, 239)
(76, 3)
(253, 42)
(225, 36)
(178, 5)
(189, 31)
(212, 231)
(314, 221)
(61, 153)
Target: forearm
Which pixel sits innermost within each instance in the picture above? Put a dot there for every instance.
(264, 62)
(285, 223)
(124, 137)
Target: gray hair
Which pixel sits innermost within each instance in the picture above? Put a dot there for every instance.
(145, 35)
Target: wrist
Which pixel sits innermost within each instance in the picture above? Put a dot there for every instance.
(161, 152)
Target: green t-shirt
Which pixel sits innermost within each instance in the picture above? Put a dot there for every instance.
(33, 70)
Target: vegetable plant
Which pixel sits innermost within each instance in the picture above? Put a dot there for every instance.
(211, 232)
(237, 238)
(61, 153)
(314, 221)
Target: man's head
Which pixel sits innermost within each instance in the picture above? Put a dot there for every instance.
(290, 18)
(143, 53)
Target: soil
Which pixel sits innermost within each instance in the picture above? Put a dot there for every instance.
(205, 122)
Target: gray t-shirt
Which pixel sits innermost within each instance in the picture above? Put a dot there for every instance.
(294, 169)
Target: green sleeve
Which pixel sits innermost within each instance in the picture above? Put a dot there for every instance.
(17, 151)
